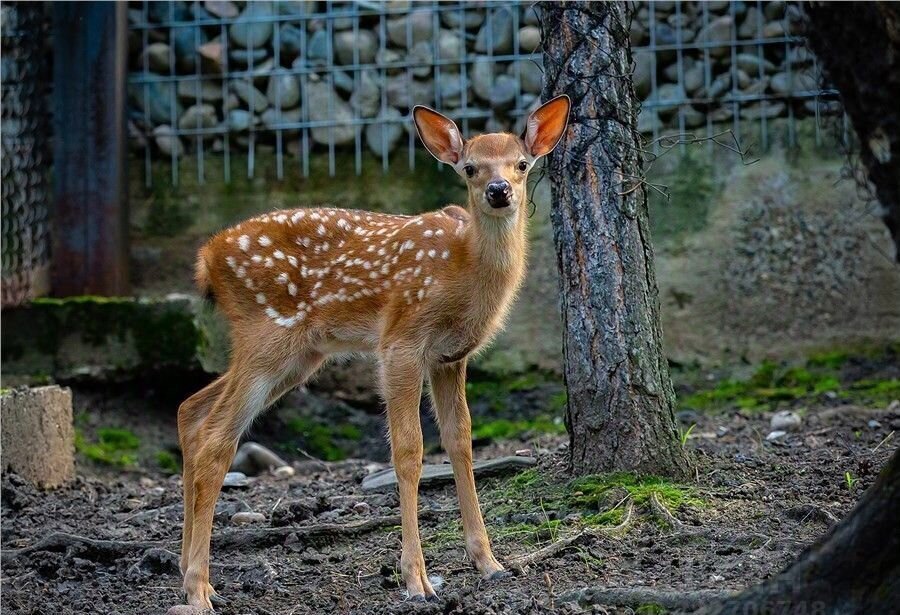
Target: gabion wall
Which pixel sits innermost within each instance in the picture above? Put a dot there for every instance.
(26, 128)
(297, 78)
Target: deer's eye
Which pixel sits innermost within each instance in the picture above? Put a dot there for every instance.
(470, 170)
(523, 166)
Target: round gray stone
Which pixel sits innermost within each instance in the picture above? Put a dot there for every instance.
(503, 93)
(496, 34)
(421, 56)
(156, 56)
(254, 99)
(410, 29)
(346, 42)
(529, 39)
(384, 136)
(283, 91)
(245, 33)
(198, 117)
(167, 142)
(239, 120)
(531, 75)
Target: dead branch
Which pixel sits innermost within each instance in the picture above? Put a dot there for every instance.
(635, 597)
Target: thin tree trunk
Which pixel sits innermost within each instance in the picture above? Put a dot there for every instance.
(855, 569)
(620, 410)
(859, 48)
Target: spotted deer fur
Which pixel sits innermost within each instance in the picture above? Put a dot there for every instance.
(423, 292)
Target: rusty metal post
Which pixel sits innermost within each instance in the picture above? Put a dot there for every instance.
(90, 244)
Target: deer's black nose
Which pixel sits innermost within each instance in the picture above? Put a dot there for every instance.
(498, 193)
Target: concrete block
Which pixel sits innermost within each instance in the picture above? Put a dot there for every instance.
(38, 439)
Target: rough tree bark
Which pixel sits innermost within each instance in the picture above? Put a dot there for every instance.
(855, 568)
(859, 50)
(620, 411)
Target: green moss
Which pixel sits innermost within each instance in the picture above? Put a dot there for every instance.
(327, 442)
(115, 447)
(499, 429)
(590, 501)
(121, 333)
(651, 609)
(168, 462)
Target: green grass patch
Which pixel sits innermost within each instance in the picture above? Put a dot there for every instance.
(168, 462)
(114, 447)
(774, 384)
(500, 429)
(327, 442)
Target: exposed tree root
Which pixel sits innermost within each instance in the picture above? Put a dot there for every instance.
(635, 597)
(662, 513)
(89, 548)
(308, 534)
(110, 550)
(522, 563)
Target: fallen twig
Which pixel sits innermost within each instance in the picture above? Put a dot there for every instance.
(522, 563)
(637, 596)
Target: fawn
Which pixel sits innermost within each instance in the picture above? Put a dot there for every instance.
(423, 292)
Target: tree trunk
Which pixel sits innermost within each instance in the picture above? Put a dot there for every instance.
(855, 568)
(620, 410)
(859, 49)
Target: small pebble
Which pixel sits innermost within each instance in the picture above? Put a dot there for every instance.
(873, 424)
(247, 518)
(523, 452)
(716, 578)
(362, 508)
(235, 480)
(283, 472)
(785, 420)
(776, 435)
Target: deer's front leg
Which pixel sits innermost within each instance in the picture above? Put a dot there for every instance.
(402, 384)
(448, 391)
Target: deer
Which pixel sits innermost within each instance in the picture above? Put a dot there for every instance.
(422, 292)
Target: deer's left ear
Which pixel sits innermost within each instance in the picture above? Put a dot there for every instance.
(546, 126)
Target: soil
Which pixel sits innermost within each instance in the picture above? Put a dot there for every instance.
(762, 503)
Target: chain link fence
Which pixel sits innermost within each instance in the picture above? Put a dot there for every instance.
(231, 82)
(25, 146)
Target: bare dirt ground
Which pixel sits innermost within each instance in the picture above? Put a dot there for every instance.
(108, 543)
(762, 502)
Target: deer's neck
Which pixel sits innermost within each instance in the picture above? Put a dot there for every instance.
(498, 247)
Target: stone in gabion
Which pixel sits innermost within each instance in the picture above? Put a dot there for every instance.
(205, 90)
(469, 19)
(481, 72)
(283, 91)
(252, 33)
(530, 74)
(786, 84)
(422, 57)
(410, 29)
(167, 142)
(156, 57)
(529, 39)
(496, 35)
(383, 137)
(717, 32)
(185, 42)
(226, 10)
(321, 98)
(643, 68)
(239, 120)
(366, 97)
(198, 117)
(503, 93)
(752, 64)
(317, 49)
(449, 47)
(255, 100)
(364, 42)
(153, 101)
(342, 81)
(290, 38)
(405, 93)
(244, 57)
(273, 119)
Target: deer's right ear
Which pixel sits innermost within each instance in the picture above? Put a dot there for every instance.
(439, 134)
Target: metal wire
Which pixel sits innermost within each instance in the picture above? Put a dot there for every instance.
(314, 132)
(25, 159)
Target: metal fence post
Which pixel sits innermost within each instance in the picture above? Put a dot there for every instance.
(90, 198)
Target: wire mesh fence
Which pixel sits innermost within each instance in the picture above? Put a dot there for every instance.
(25, 193)
(228, 82)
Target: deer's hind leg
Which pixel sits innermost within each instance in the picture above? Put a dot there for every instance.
(191, 414)
(247, 389)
